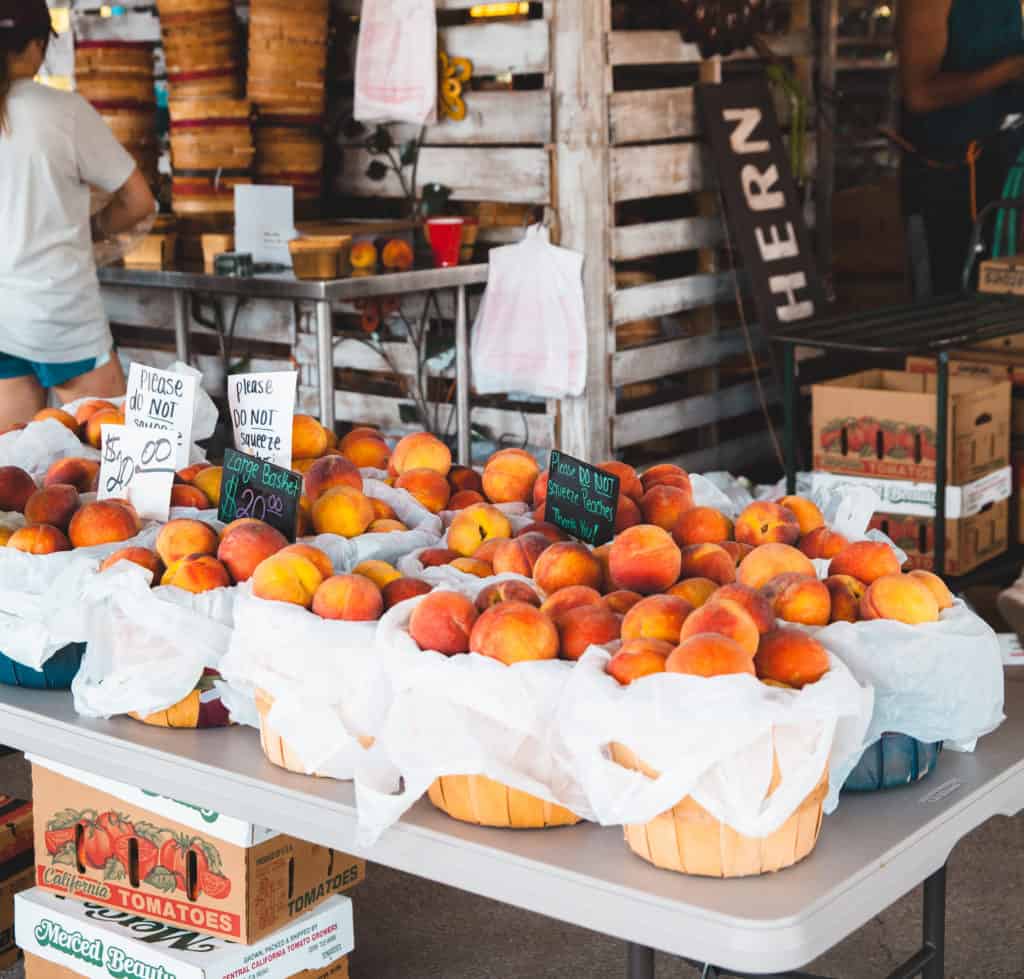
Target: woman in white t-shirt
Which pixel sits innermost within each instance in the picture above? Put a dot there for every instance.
(54, 147)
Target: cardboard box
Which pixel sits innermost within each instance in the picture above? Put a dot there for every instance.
(90, 940)
(882, 423)
(16, 868)
(37, 968)
(19, 880)
(101, 844)
(1002, 276)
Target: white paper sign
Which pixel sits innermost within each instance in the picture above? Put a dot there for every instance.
(162, 401)
(265, 222)
(262, 409)
(138, 464)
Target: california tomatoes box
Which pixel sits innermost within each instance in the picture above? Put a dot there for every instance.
(96, 841)
(883, 424)
(87, 939)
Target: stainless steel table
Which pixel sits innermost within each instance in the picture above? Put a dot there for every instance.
(322, 294)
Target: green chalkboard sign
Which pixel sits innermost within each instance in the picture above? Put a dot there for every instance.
(254, 488)
(581, 499)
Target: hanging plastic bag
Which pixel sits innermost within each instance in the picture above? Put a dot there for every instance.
(530, 336)
(396, 62)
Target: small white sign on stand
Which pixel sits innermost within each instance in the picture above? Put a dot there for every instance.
(262, 408)
(138, 465)
(265, 222)
(162, 401)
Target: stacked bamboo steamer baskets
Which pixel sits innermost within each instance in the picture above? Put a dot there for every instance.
(201, 47)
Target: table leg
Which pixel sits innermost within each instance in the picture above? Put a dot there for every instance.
(462, 378)
(934, 924)
(325, 362)
(181, 316)
(639, 962)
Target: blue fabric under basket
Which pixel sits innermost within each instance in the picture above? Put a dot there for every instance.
(892, 761)
(57, 672)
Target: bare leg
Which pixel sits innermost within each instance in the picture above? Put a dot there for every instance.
(20, 399)
(104, 382)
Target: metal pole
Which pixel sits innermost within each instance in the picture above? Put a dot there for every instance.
(790, 397)
(325, 362)
(934, 924)
(181, 316)
(941, 459)
(462, 379)
(828, 54)
(639, 962)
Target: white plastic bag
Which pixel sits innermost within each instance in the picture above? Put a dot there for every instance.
(39, 445)
(396, 62)
(530, 335)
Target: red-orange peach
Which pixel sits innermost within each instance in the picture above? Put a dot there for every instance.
(567, 563)
(556, 605)
(736, 549)
(620, 602)
(663, 506)
(197, 573)
(791, 657)
(180, 538)
(402, 589)
(723, 619)
(328, 472)
(379, 572)
(627, 514)
(366, 451)
(657, 617)
(866, 561)
(58, 415)
(487, 550)
(94, 426)
(342, 510)
(462, 478)
(242, 549)
(754, 603)
(509, 476)
(707, 561)
(55, 505)
(382, 510)
(637, 658)
(666, 474)
(443, 622)
(83, 474)
(386, 527)
(348, 598)
(16, 486)
(473, 566)
(629, 481)
(519, 556)
(89, 408)
(189, 473)
(901, 598)
(287, 576)
(822, 543)
(514, 632)
(474, 525)
(465, 498)
(696, 591)
(40, 538)
(309, 438)
(209, 481)
(106, 522)
(430, 489)
(434, 557)
(644, 559)
(506, 591)
(183, 495)
(589, 625)
(141, 556)
(806, 512)
(314, 555)
(770, 560)
(708, 655)
(942, 595)
(421, 450)
(764, 522)
(702, 525)
(540, 489)
(800, 599)
(846, 593)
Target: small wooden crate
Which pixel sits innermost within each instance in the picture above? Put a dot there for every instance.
(480, 800)
(155, 251)
(321, 257)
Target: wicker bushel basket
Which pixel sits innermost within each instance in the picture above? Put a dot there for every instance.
(689, 840)
(205, 196)
(201, 8)
(202, 708)
(480, 800)
(118, 89)
(130, 58)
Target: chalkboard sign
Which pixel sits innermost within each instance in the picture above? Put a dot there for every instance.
(581, 499)
(261, 490)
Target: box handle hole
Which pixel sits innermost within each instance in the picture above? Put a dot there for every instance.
(133, 861)
(291, 877)
(79, 837)
(330, 862)
(879, 445)
(922, 537)
(983, 419)
(192, 875)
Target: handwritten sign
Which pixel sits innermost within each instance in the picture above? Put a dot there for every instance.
(258, 489)
(162, 401)
(262, 408)
(138, 465)
(581, 499)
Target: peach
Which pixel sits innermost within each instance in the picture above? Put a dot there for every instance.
(514, 632)
(242, 549)
(473, 566)
(666, 474)
(379, 572)
(127, 506)
(627, 514)
(314, 555)
(463, 479)
(386, 527)
(637, 658)
(197, 573)
(465, 498)
(586, 626)
(430, 489)
(302, 466)
(806, 512)
(506, 591)
(348, 598)
(434, 557)
(664, 505)
(366, 450)
(421, 450)
(5, 535)
(58, 415)
(754, 603)
(604, 556)
(567, 563)
(189, 473)
(474, 525)
(358, 432)
(866, 561)
(702, 525)
(89, 408)
(708, 655)
(55, 505)
(209, 481)
(402, 589)
(180, 538)
(724, 619)
(183, 495)
(770, 560)
(540, 489)
(309, 438)
(83, 474)
(509, 476)
(343, 511)
(657, 617)
(764, 522)
(328, 472)
(707, 561)
(304, 517)
(240, 522)
(443, 622)
(823, 544)
(94, 426)
(620, 602)
(800, 599)
(141, 556)
(381, 510)
(644, 559)
(942, 595)
(487, 550)
(565, 600)
(16, 486)
(629, 481)
(791, 657)
(696, 591)
(519, 556)
(846, 593)
(901, 598)
(40, 538)
(287, 576)
(736, 549)
(105, 522)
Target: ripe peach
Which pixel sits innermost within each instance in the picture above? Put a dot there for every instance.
(465, 498)
(5, 535)
(637, 658)
(141, 556)
(328, 472)
(519, 555)
(806, 512)
(754, 603)
(314, 555)
(180, 538)
(443, 622)
(586, 626)
(365, 449)
(464, 479)
(707, 561)
(357, 432)
(566, 599)
(666, 474)
(381, 510)
(476, 524)
(657, 617)
(386, 527)
(487, 550)
(434, 557)
(189, 473)
(901, 598)
(509, 476)
(629, 481)
(89, 408)
(644, 559)
(430, 489)
(94, 426)
(724, 619)
(767, 523)
(514, 632)
(799, 598)
(402, 589)
(55, 505)
(846, 593)
(348, 598)
(696, 591)
(183, 495)
(663, 506)
(736, 549)
(209, 481)
(567, 563)
(506, 591)
(83, 474)
(287, 576)
(540, 489)
(627, 514)
(58, 415)
(866, 561)
(40, 538)
(473, 566)
(240, 522)
(942, 595)
(769, 560)
(127, 506)
(791, 657)
(343, 511)
(16, 486)
(702, 525)
(822, 543)
(379, 572)
(620, 602)
(242, 549)
(302, 466)
(105, 522)
(707, 655)
(309, 438)
(197, 573)
(421, 450)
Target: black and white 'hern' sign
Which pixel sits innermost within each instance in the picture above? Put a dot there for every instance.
(761, 201)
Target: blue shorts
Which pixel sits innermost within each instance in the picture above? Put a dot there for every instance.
(48, 375)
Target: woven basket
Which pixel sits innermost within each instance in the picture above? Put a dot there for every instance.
(323, 257)
(689, 840)
(114, 58)
(205, 196)
(131, 125)
(480, 800)
(118, 89)
(285, 150)
(204, 8)
(211, 134)
(189, 714)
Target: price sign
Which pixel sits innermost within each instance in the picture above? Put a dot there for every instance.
(262, 408)
(162, 401)
(581, 499)
(256, 488)
(139, 466)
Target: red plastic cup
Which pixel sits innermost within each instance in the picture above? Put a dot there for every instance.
(445, 237)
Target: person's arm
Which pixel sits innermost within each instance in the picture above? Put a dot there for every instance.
(133, 203)
(923, 38)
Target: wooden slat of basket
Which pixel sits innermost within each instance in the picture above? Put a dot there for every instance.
(114, 61)
(190, 109)
(203, 7)
(480, 800)
(117, 88)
